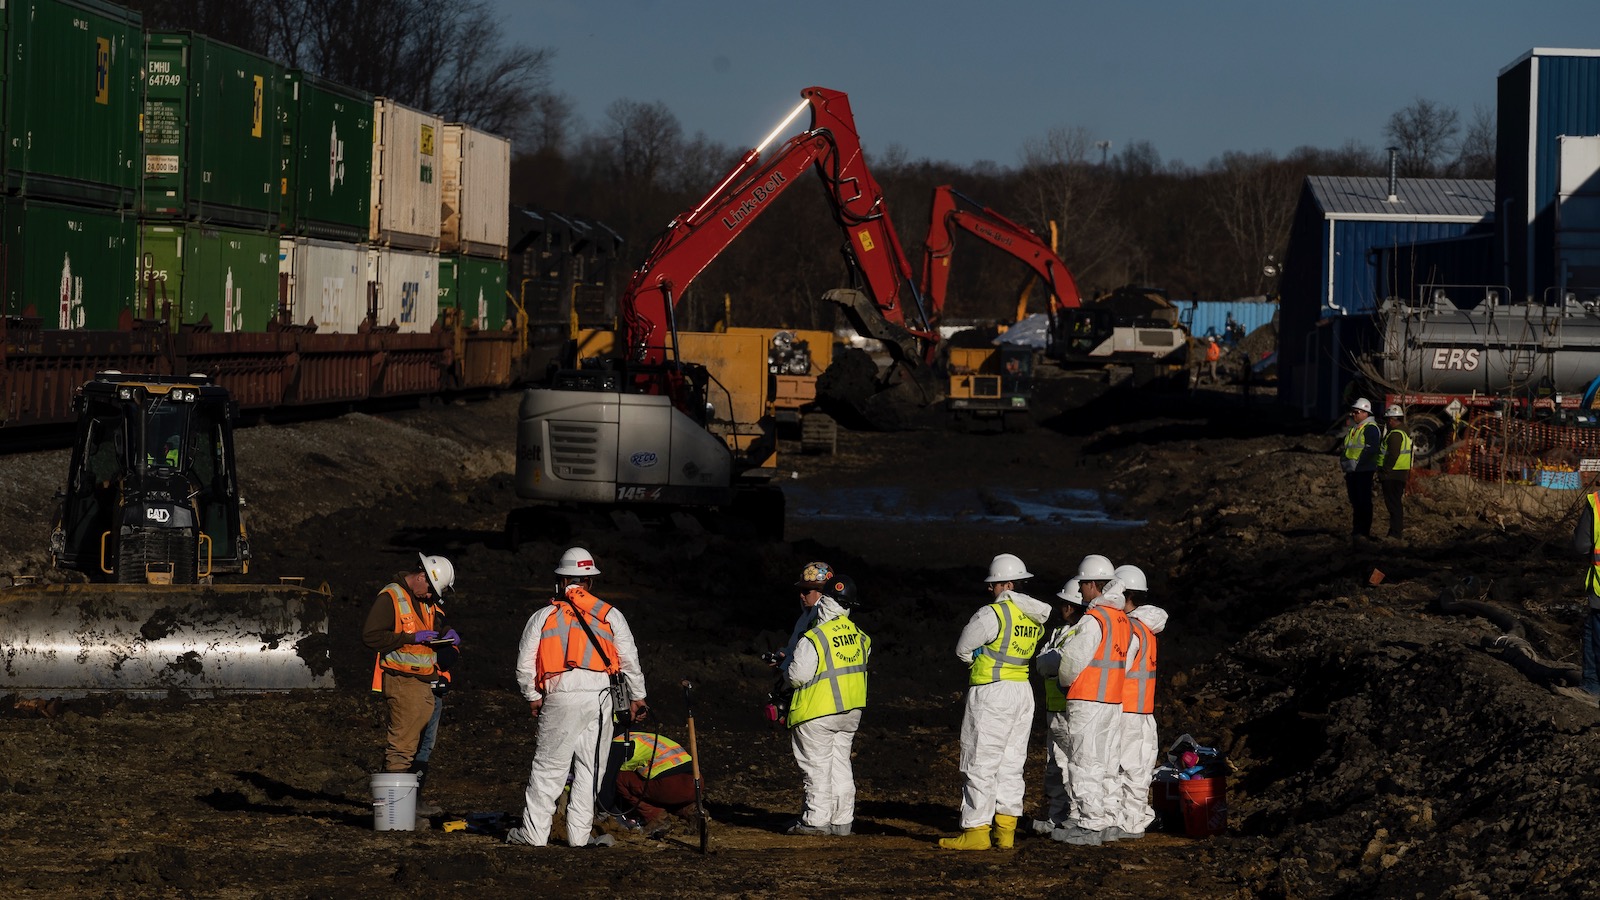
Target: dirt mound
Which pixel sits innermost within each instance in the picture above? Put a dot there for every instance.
(1379, 745)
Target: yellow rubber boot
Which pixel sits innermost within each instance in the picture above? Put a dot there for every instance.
(970, 839)
(1005, 831)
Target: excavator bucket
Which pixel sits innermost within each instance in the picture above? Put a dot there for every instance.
(70, 640)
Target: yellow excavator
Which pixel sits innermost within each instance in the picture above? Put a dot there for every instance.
(150, 514)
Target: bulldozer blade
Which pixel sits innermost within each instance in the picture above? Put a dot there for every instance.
(70, 640)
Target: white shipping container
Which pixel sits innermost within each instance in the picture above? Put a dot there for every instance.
(406, 176)
(408, 288)
(475, 205)
(327, 283)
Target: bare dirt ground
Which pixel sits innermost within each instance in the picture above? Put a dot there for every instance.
(1379, 746)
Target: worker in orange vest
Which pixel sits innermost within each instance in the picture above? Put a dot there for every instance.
(1094, 662)
(1213, 353)
(1140, 748)
(405, 628)
(577, 666)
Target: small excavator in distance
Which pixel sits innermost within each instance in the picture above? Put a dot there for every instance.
(150, 514)
(990, 382)
(629, 433)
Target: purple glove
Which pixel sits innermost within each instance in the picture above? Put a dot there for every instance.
(422, 637)
(452, 637)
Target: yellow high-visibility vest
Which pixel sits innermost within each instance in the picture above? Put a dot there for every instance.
(841, 682)
(1006, 657)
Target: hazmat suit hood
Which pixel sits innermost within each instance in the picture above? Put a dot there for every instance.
(1112, 597)
(1034, 609)
(1153, 617)
(826, 609)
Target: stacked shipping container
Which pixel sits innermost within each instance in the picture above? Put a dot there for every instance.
(475, 221)
(70, 148)
(170, 178)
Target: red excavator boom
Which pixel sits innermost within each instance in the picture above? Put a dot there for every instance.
(953, 210)
(830, 146)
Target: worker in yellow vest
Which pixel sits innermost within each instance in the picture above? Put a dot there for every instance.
(828, 670)
(1094, 662)
(997, 648)
(1048, 664)
(1586, 541)
(1140, 747)
(1362, 451)
(1395, 469)
(654, 777)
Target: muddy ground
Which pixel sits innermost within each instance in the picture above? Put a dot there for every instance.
(1378, 745)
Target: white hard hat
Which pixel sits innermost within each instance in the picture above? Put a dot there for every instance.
(441, 575)
(1362, 404)
(1095, 568)
(1394, 412)
(1070, 593)
(1006, 567)
(1132, 578)
(577, 562)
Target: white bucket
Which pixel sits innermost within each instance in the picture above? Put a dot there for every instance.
(394, 801)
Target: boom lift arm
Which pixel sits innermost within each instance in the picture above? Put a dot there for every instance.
(952, 210)
(832, 146)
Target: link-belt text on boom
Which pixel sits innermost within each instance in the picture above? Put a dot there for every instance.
(748, 207)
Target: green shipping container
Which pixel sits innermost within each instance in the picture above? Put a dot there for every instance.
(68, 265)
(475, 286)
(72, 81)
(213, 132)
(327, 158)
(226, 276)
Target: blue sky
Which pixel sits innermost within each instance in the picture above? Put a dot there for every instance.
(969, 81)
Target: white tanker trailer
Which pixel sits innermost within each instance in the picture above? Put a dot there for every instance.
(1439, 362)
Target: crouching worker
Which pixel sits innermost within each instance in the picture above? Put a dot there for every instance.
(829, 672)
(653, 777)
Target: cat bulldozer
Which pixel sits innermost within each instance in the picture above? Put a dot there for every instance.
(150, 516)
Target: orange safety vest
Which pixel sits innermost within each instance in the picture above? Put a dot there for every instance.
(1213, 352)
(563, 644)
(1139, 688)
(1101, 680)
(408, 659)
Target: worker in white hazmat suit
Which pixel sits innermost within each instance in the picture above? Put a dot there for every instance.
(1139, 748)
(997, 647)
(1048, 664)
(571, 649)
(828, 670)
(1093, 663)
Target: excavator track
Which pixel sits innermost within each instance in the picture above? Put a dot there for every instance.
(71, 640)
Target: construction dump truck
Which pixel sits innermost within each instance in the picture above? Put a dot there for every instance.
(150, 514)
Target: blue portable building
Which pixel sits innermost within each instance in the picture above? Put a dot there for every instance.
(1547, 156)
(1354, 242)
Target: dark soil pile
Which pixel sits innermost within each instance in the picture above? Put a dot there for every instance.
(1378, 745)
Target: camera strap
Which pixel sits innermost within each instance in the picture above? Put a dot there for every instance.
(617, 684)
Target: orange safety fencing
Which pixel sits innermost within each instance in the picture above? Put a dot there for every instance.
(1505, 450)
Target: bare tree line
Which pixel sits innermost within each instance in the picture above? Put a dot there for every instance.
(1208, 231)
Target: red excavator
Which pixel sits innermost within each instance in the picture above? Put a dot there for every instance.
(629, 433)
(953, 210)
(989, 382)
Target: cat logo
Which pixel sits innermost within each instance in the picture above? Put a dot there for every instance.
(158, 514)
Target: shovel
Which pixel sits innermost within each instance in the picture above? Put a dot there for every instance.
(694, 759)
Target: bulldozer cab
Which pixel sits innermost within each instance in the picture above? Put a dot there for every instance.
(151, 489)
